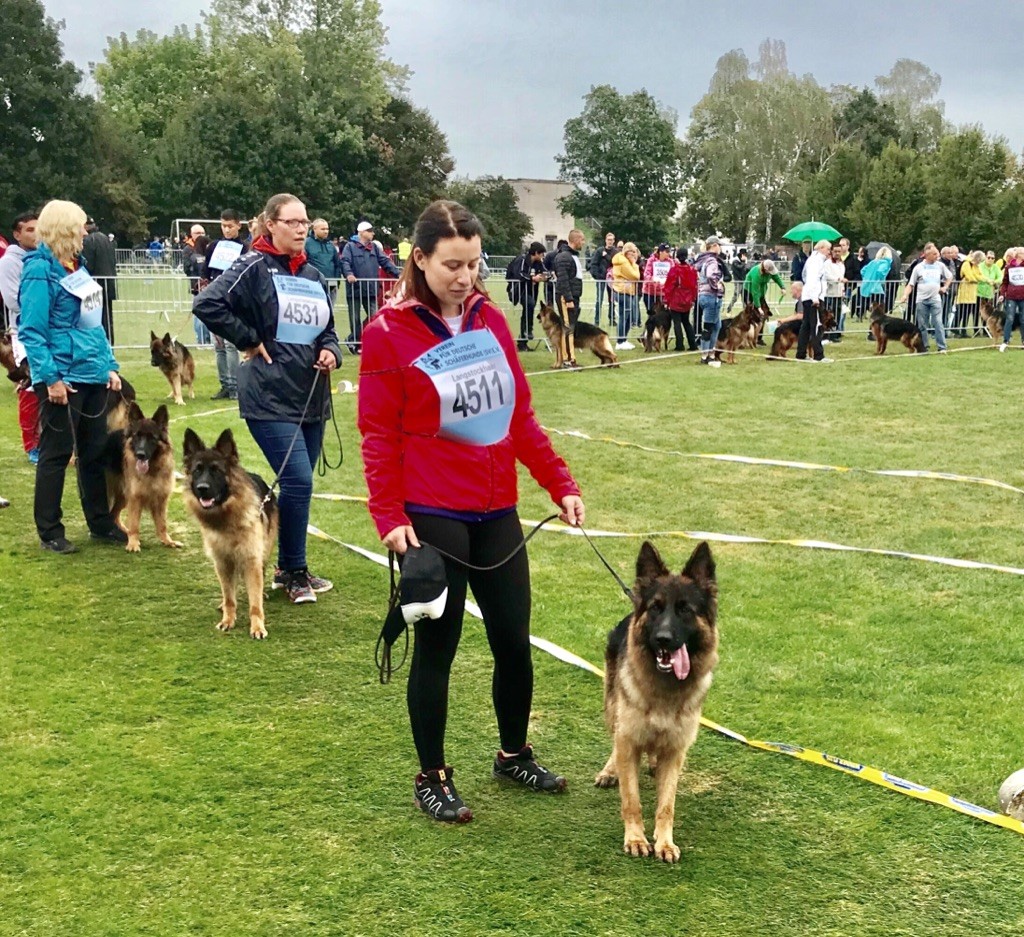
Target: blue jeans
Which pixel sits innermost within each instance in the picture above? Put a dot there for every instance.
(203, 336)
(627, 309)
(227, 364)
(929, 316)
(274, 438)
(601, 285)
(1013, 309)
(711, 317)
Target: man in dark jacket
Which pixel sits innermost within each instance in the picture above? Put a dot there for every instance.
(529, 274)
(549, 259)
(322, 253)
(101, 261)
(738, 268)
(568, 270)
(600, 261)
(361, 263)
(220, 255)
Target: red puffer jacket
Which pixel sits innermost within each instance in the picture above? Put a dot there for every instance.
(404, 460)
(681, 288)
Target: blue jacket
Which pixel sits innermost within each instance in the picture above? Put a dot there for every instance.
(873, 276)
(324, 256)
(57, 349)
(364, 263)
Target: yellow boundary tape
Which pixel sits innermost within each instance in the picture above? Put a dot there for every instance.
(785, 463)
(868, 773)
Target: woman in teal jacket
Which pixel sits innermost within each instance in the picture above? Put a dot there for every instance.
(872, 277)
(72, 368)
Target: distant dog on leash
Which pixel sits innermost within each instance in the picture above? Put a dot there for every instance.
(658, 669)
(657, 328)
(885, 327)
(741, 332)
(787, 333)
(585, 334)
(140, 474)
(993, 320)
(176, 363)
(238, 518)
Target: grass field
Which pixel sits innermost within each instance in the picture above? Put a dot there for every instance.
(161, 778)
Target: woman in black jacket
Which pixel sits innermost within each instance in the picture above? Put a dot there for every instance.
(274, 306)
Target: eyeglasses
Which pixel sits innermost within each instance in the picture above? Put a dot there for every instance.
(295, 224)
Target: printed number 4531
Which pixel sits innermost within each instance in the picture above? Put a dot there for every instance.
(478, 393)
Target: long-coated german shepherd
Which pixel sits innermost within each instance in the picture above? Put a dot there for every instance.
(657, 328)
(237, 515)
(740, 332)
(788, 333)
(884, 327)
(993, 320)
(140, 474)
(585, 336)
(658, 669)
(176, 363)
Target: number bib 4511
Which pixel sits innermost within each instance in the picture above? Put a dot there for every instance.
(302, 310)
(90, 295)
(475, 385)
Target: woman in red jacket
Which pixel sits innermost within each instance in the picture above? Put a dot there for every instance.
(445, 412)
(680, 294)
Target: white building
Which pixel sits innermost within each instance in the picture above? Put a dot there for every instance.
(538, 200)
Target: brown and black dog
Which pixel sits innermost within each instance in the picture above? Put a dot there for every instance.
(884, 327)
(585, 335)
(788, 333)
(238, 518)
(176, 363)
(140, 474)
(657, 328)
(741, 332)
(658, 669)
(993, 320)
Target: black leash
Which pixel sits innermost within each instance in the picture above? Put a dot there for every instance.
(382, 655)
(615, 575)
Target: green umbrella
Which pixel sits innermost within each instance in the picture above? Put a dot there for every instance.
(813, 231)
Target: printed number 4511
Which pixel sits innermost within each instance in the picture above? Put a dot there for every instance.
(478, 393)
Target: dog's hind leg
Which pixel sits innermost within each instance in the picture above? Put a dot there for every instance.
(608, 776)
(635, 842)
(667, 780)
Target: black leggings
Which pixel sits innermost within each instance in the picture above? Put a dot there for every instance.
(503, 595)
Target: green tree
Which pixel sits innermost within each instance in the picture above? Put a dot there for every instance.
(45, 123)
(965, 174)
(892, 198)
(623, 158)
(911, 88)
(861, 118)
(494, 202)
(829, 195)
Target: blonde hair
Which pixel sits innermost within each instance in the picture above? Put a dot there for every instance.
(60, 229)
(630, 246)
(977, 257)
(883, 253)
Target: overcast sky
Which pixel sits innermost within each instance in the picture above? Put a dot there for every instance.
(502, 78)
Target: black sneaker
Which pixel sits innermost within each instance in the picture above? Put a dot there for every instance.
(221, 394)
(522, 769)
(58, 545)
(317, 583)
(298, 587)
(435, 794)
(114, 535)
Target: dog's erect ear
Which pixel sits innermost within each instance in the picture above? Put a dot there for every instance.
(225, 445)
(161, 417)
(649, 565)
(152, 336)
(192, 444)
(700, 567)
(134, 413)
(167, 338)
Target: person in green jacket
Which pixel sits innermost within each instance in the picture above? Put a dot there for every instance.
(991, 276)
(755, 288)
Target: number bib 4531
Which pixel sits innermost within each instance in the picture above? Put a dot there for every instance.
(90, 295)
(302, 310)
(474, 383)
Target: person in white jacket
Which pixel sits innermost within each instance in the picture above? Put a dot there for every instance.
(812, 300)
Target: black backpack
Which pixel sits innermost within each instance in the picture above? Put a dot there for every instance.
(513, 285)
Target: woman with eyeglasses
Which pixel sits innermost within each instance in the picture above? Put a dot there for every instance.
(274, 306)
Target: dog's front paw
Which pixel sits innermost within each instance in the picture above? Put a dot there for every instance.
(257, 630)
(636, 846)
(133, 545)
(225, 624)
(606, 779)
(666, 851)
(180, 402)
(171, 543)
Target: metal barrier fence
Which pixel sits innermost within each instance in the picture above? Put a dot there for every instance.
(161, 301)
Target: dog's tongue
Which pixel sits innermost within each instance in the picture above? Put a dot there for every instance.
(142, 466)
(681, 663)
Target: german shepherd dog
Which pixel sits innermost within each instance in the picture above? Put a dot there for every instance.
(237, 515)
(788, 333)
(585, 334)
(176, 363)
(884, 327)
(140, 474)
(658, 669)
(740, 332)
(657, 328)
(993, 320)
